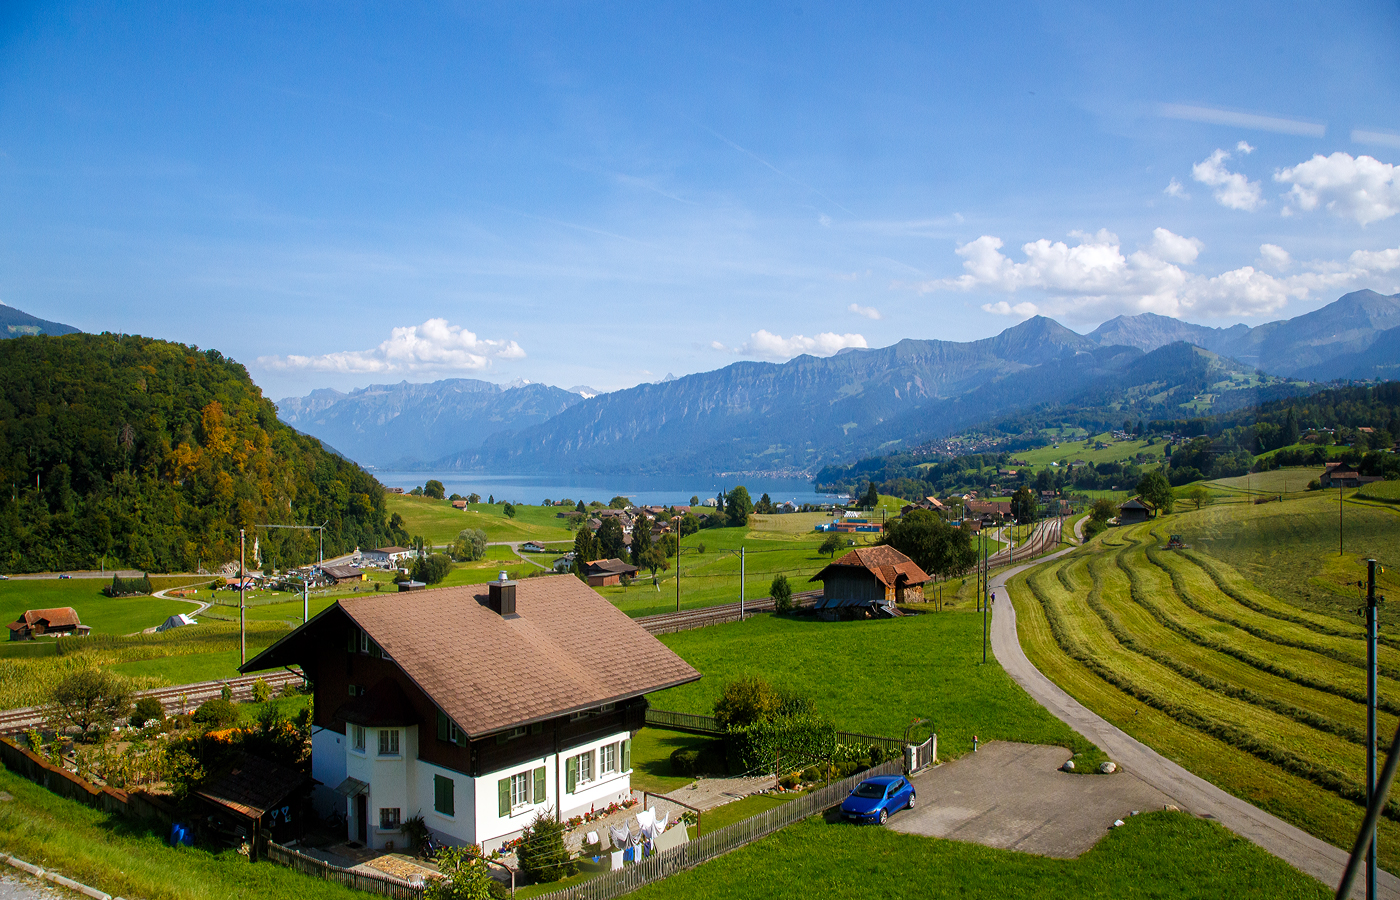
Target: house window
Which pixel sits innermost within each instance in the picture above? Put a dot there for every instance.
(447, 730)
(607, 759)
(358, 737)
(583, 768)
(510, 735)
(519, 790)
(444, 796)
(388, 742)
(389, 819)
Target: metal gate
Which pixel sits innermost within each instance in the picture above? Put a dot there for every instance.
(918, 757)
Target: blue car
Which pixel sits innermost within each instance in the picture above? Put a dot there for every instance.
(875, 798)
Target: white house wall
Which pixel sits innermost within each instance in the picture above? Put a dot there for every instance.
(456, 830)
(604, 789)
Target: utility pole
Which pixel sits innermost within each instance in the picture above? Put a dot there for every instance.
(1371, 630)
(242, 618)
(1339, 517)
(741, 582)
(678, 568)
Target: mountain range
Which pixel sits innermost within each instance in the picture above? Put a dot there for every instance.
(797, 416)
(387, 425)
(14, 322)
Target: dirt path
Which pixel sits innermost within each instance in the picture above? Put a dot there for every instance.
(1190, 792)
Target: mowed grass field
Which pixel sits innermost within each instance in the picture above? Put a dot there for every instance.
(1156, 855)
(439, 523)
(121, 615)
(873, 677)
(1116, 451)
(1261, 692)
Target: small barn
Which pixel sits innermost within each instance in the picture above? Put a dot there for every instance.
(1135, 510)
(868, 582)
(608, 572)
(38, 622)
(256, 800)
(338, 574)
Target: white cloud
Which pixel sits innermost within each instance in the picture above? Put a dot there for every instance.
(1242, 120)
(1275, 256)
(1361, 188)
(1231, 188)
(1244, 148)
(1174, 189)
(824, 220)
(1095, 278)
(766, 345)
(434, 346)
(869, 312)
(1376, 260)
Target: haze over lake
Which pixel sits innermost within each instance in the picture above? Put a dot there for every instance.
(663, 490)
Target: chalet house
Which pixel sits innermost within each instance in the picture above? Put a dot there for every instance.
(459, 504)
(608, 572)
(1135, 510)
(56, 621)
(997, 509)
(385, 556)
(1340, 476)
(478, 707)
(869, 582)
(533, 547)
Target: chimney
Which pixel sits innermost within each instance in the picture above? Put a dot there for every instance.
(501, 596)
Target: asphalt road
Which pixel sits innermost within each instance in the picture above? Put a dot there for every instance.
(1190, 792)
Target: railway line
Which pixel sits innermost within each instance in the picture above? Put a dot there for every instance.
(175, 699)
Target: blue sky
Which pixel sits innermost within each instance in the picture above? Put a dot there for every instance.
(599, 194)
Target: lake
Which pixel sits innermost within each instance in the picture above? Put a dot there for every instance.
(642, 490)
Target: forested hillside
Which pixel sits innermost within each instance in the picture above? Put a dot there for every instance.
(152, 455)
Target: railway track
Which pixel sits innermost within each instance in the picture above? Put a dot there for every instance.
(176, 699)
(1045, 537)
(664, 623)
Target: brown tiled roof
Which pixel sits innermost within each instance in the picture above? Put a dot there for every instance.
(1136, 503)
(567, 649)
(391, 550)
(1002, 507)
(612, 566)
(253, 786)
(57, 617)
(885, 563)
(338, 572)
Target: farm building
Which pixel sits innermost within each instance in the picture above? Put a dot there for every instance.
(385, 556)
(1135, 510)
(256, 799)
(869, 582)
(56, 621)
(1338, 475)
(337, 574)
(608, 572)
(479, 706)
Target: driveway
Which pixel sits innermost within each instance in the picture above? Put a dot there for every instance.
(1188, 791)
(1013, 796)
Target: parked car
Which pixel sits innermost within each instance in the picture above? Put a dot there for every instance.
(875, 798)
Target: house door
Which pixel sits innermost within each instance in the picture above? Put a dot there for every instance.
(362, 818)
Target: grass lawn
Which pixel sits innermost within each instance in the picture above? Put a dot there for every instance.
(651, 758)
(119, 615)
(1289, 548)
(123, 858)
(439, 523)
(1256, 692)
(874, 677)
(1157, 855)
(1116, 451)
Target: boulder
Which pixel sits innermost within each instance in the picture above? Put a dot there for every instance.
(1107, 767)
(1068, 766)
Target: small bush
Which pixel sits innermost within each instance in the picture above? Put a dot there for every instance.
(290, 689)
(215, 714)
(226, 693)
(781, 592)
(790, 779)
(542, 854)
(148, 711)
(684, 761)
(262, 691)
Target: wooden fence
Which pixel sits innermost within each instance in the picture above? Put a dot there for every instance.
(708, 725)
(717, 843)
(386, 885)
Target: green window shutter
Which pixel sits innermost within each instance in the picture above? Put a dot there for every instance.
(626, 754)
(570, 773)
(444, 795)
(539, 795)
(442, 727)
(503, 787)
